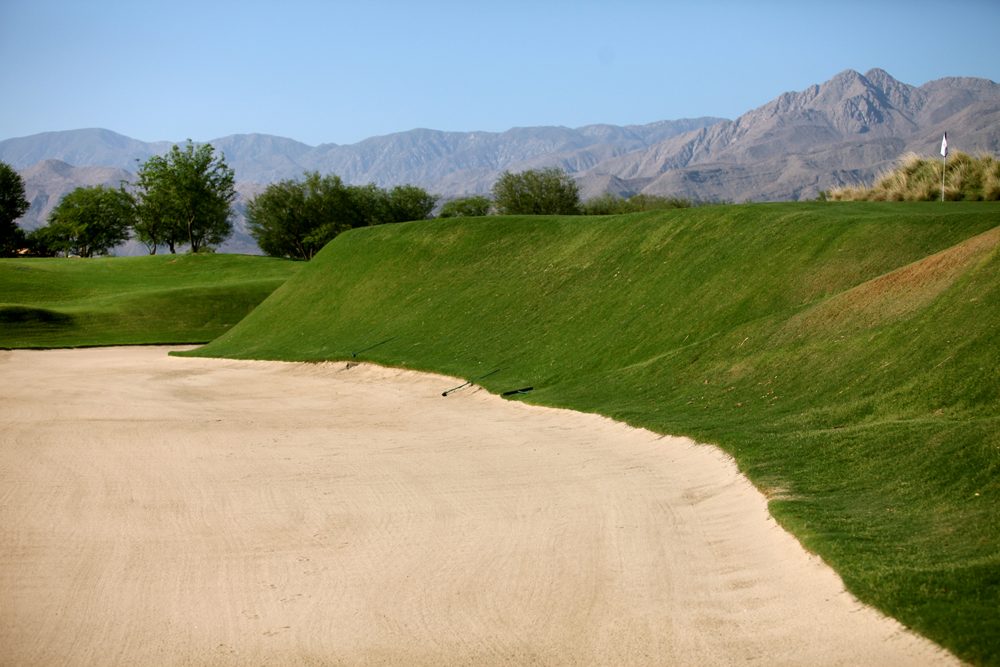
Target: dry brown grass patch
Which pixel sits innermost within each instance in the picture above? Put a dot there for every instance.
(895, 295)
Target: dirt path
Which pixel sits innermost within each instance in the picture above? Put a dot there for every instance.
(166, 511)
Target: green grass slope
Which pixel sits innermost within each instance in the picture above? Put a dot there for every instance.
(846, 354)
(131, 300)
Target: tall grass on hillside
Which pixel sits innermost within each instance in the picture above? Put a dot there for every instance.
(919, 179)
(846, 356)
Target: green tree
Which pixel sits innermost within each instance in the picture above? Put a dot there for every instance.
(371, 202)
(38, 244)
(606, 203)
(156, 223)
(466, 207)
(13, 205)
(89, 221)
(186, 196)
(295, 218)
(404, 203)
(548, 191)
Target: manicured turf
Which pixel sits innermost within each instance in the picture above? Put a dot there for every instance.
(131, 300)
(846, 354)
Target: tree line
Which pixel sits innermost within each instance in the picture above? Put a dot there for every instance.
(296, 218)
(552, 191)
(185, 198)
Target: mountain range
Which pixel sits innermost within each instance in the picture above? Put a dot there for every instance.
(840, 132)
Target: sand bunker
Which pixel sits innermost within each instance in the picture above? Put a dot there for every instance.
(166, 511)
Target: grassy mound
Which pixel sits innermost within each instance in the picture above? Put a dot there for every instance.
(844, 353)
(131, 300)
(919, 179)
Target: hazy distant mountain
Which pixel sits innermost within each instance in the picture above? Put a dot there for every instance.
(46, 182)
(842, 131)
(404, 157)
(426, 156)
(80, 148)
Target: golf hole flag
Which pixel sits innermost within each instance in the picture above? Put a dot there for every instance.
(944, 145)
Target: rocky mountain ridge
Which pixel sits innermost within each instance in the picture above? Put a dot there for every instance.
(843, 131)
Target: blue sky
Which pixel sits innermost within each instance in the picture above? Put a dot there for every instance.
(339, 72)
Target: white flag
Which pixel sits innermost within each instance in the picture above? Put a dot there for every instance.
(944, 145)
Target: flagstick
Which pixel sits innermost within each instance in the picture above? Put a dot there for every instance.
(944, 167)
(944, 162)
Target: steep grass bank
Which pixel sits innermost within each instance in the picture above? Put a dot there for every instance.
(131, 300)
(845, 354)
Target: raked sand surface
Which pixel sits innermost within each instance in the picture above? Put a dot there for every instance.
(169, 511)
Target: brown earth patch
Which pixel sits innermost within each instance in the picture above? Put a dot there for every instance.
(896, 295)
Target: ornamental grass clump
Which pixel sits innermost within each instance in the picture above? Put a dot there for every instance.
(919, 179)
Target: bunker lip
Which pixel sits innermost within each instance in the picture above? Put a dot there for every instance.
(163, 509)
